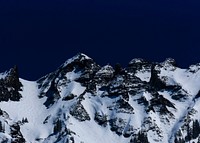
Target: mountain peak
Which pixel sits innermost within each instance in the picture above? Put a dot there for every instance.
(169, 61)
(107, 69)
(81, 101)
(136, 61)
(82, 55)
(77, 57)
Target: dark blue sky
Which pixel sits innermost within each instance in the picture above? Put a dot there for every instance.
(39, 35)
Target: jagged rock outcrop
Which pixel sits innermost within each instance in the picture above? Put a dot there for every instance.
(10, 85)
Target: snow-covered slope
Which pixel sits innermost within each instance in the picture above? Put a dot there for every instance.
(82, 102)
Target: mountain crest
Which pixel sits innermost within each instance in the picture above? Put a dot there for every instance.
(146, 102)
(169, 62)
(78, 57)
(137, 61)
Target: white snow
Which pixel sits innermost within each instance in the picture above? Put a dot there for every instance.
(76, 57)
(72, 88)
(144, 75)
(188, 81)
(107, 69)
(136, 60)
(90, 132)
(30, 107)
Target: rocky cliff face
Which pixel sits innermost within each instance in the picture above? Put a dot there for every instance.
(10, 85)
(82, 102)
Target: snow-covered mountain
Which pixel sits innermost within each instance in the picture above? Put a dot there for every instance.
(82, 102)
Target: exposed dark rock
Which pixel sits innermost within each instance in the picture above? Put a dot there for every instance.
(137, 65)
(160, 100)
(198, 95)
(118, 69)
(101, 119)
(170, 62)
(52, 96)
(16, 134)
(143, 101)
(155, 81)
(141, 137)
(122, 106)
(57, 127)
(78, 112)
(10, 86)
(117, 125)
(69, 97)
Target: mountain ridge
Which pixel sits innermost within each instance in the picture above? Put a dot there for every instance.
(82, 102)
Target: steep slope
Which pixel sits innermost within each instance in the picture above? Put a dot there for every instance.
(82, 102)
